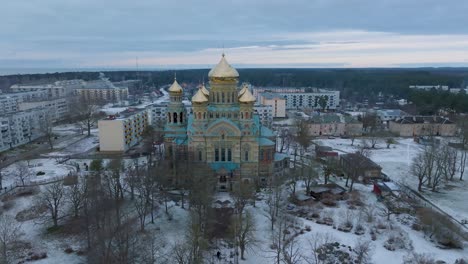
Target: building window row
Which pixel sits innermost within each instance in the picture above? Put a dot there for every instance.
(223, 154)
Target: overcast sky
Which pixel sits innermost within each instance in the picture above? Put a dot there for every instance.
(254, 33)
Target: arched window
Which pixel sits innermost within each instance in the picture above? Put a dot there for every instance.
(242, 115)
(222, 97)
(169, 119)
(181, 117)
(174, 120)
(246, 115)
(246, 155)
(204, 115)
(199, 115)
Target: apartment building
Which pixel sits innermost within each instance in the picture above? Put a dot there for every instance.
(58, 109)
(265, 114)
(57, 89)
(21, 127)
(118, 133)
(102, 90)
(9, 101)
(297, 98)
(276, 101)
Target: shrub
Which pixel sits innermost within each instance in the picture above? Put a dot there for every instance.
(39, 173)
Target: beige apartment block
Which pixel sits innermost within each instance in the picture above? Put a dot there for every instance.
(277, 103)
(120, 132)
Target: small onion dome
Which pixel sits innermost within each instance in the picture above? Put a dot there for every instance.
(223, 70)
(199, 97)
(245, 96)
(204, 90)
(175, 87)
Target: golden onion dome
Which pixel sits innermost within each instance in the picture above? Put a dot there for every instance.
(204, 90)
(245, 96)
(223, 70)
(199, 97)
(175, 87)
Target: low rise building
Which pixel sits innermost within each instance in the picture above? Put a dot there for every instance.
(359, 167)
(334, 125)
(411, 126)
(386, 115)
(118, 133)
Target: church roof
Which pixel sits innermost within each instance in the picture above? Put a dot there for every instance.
(265, 142)
(200, 97)
(204, 90)
(223, 70)
(245, 96)
(175, 87)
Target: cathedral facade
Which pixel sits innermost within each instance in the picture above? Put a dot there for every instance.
(222, 133)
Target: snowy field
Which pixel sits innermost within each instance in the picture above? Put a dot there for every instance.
(261, 253)
(396, 162)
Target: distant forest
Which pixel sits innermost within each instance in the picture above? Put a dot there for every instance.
(354, 84)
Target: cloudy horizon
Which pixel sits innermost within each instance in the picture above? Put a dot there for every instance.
(115, 34)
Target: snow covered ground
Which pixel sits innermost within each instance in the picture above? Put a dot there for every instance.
(51, 168)
(396, 162)
(109, 109)
(262, 254)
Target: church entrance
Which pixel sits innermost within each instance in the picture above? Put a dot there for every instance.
(223, 180)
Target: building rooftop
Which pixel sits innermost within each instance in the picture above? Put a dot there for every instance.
(271, 96)
(360, 161)
(423, 119)
(125, 114)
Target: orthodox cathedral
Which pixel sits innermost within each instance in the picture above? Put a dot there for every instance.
(222, 131)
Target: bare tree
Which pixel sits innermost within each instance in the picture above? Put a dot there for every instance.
(52, 197)
(87, 113)
(9, 232)
(244, 232)
(389, 141)
(46, 127)
(273, 202)
(243, 193)
(285, 139)
(363, 250)
(462, 163)
(76, 197)
(315, 243)
(418, 169)
(22, 172)
(310, 176)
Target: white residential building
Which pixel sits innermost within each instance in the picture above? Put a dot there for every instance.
(118, 133)
(21, 127)
(297, 98)
(430, 87)
(56, 90)
(265, 113)
(58, 109)
(157, 113)
(9, 101)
